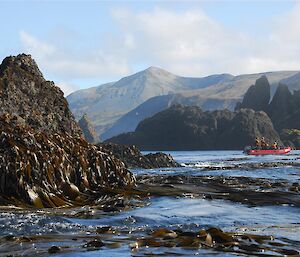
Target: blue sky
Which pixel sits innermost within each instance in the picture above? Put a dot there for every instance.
(79, 44)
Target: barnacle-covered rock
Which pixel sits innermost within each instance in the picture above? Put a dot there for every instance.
(47, 170)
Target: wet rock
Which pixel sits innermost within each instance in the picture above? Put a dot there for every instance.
(141, 240)
(250, 191)
(133, 158)
(96, 243)
(54, 249)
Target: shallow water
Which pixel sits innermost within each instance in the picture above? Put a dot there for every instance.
(186, 213)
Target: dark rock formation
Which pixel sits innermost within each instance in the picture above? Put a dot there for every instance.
(44, 160)
(133, 158)
(88, 130)
(189, 128)
(130, 120)
(257, 97)
(291, 137)
(25, 93)
(284, 108)
(47, 170)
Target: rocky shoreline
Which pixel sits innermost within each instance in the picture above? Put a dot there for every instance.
(46, 164)
(144, 243)
(250, 191)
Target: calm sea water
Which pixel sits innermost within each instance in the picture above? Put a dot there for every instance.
(187, 213)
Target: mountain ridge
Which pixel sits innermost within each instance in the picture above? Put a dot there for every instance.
(107, 103)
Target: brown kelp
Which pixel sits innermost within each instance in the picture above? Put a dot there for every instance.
(151, 242)
(48, 170)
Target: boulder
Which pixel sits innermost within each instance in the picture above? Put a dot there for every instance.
(133, 158)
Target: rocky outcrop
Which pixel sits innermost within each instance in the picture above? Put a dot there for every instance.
(48, 170)
(39, 103)
(291, 137)
(130, 120)
(133, 158)
(257, 97)
(189, 128)
(88, 130)
(44, 160)
(284, 108)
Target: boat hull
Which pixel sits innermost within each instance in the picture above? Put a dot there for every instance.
(268, 152)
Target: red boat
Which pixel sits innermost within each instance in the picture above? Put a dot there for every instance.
(267, 151)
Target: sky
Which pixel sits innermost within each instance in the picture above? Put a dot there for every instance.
(80, 44)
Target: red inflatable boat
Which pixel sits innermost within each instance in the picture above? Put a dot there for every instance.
(267, 151)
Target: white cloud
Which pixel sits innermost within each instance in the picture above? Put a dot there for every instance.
(66, 87)
(191, 43)
(67, 63)
(184, 42)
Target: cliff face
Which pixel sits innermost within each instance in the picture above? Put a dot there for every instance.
(39, 103)
(44, 160)
(88, 130)
(258, 96)
(284, 108)
(189, 128)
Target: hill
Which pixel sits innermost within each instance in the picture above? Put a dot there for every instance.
(190, 128)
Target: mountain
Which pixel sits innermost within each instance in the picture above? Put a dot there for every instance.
(190, 128)
(293, 82)
(214, 97)
(107, 104)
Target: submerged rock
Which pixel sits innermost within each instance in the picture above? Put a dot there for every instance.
(133, 158)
